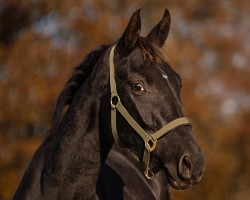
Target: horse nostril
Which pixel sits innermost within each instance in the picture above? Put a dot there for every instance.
(185, 167)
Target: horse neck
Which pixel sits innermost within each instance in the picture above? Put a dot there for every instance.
(76, 158)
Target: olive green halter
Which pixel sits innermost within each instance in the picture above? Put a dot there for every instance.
(149, 139)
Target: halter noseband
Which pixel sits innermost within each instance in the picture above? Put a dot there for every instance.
(149, 139)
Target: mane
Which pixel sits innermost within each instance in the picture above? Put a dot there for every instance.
(151, 51)
(79, 75)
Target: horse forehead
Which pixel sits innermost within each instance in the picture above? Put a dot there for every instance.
(136, 59)
(137, 62)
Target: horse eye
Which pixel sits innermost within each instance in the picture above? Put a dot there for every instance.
(138, 87)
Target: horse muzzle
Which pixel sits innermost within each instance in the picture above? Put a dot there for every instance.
(187, 172)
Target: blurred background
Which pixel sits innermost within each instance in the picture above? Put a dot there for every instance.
(41, 41)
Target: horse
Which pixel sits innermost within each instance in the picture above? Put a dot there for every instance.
(126, 93)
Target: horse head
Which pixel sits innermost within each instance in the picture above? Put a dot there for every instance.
(149, 90)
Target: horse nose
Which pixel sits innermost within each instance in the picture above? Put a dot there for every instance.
(191, 166)
(185, 167)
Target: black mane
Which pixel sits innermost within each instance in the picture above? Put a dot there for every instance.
(79, 75)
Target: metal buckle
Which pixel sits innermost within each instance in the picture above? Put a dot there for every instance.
(150, 143)
(114, 100)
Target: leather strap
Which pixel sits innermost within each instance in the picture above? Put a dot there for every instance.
(171, 126)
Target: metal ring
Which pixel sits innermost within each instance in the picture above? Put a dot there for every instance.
(149, 174)
(114, 100)
(150, 143)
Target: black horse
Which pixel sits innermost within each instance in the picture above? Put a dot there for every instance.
(67, 165)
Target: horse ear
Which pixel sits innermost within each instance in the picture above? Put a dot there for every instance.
(159, 33)
(130, 36)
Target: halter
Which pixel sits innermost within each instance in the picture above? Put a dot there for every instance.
(149, 139)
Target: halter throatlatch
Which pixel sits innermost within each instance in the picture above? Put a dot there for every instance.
(150, 140)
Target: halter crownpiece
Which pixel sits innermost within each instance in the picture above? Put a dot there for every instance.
(150, 140)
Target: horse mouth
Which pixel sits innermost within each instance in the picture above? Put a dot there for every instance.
(175, 182)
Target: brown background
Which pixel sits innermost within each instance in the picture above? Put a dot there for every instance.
(209, 46)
